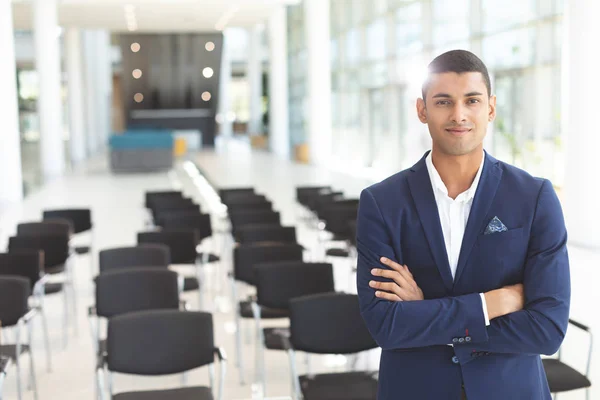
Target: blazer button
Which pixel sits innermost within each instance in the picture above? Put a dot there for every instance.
(468, 339)
(455, 360)
(455, 340)
(461, 340)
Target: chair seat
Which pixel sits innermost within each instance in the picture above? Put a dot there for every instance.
(211, 257)
(265, 313)
(50, 288)
(562, 378)
(10, 350)
(190, 283)
(342, 386)
(274, 337)
(82, 249)
(187, 393)
(337, 253)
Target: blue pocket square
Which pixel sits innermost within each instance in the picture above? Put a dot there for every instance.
(495, 226)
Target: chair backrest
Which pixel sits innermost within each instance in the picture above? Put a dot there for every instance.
(322, 324)
(182, 243)
(25, 263)
(242, 218)
(162, 204)
(246, 257)
(151, 195)
(136, 289)
(57, 226)
(265, 205)
(326, 196)
(160, 342)
(249, 234)
(278, 283)
(80, 218)
(14, 297)
(338, 217)
(147, 255)
(55, 247)
(226, 194)
(304, 192)
(187, 220)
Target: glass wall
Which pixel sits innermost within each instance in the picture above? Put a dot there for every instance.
(380, 50)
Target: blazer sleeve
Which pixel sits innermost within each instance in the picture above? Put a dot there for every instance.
(541, 326)
(407, 324)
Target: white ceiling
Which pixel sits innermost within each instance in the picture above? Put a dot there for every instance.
(154, 15)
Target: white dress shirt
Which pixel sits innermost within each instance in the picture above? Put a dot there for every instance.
(454, 214)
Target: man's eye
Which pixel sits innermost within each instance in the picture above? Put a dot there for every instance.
(473, 101)
(442, 102)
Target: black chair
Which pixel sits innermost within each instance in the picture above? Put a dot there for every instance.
(130, 290)
(253, 234)
(161, 342)
(337, 217)
(165, 205)
(151, 195)
(564, 378)
(262, 205)
(245, 257)
(319, 324)
(276, 285)
(58, 264)
(303, 193)
(146, 255)
(182, 246)
(15, 312)
(227, 194)
(30, 264)
(80, 219)
(241, 218)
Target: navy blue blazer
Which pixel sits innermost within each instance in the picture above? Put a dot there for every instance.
(398, 219)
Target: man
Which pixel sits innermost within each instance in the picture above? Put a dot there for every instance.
(463, 273)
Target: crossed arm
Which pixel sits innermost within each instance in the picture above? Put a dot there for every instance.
(399, 317)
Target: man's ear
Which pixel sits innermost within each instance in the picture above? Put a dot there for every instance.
(422, 110)
(492, 111)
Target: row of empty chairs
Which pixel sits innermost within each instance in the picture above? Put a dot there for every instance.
(39, 262)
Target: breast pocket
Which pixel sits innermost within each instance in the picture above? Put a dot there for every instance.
(501, 255)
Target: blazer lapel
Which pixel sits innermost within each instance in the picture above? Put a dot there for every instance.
(486, 191)
(422, 194)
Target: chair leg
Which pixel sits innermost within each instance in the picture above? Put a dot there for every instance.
(238, 345)
(199, 270)
(307, 363)
(42, 311)
(33, 380)
(71, 262)
(17, 362)
(65, 315)
(294, 373)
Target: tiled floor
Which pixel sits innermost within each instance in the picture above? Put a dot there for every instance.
(117, 204)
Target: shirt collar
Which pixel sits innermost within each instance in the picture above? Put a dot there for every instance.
(438, 184)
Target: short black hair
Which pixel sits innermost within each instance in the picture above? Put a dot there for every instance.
(459, 61)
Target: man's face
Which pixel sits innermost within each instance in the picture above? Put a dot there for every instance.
(457, 111)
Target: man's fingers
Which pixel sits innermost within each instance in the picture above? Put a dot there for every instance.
(392, 264)
(391, 287)
(387, 296)
(393, 275)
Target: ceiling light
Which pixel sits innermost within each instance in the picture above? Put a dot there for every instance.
(209, 46)
(137, 73)
(138, 97)
(207, 72)
(135, 47)
(206, 96)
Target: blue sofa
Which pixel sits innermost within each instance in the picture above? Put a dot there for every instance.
(141, 151)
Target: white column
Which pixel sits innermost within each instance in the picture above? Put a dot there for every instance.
(255, 57)
(579, 122)
(102, 79)
(77, 125)
(316, 13)
(11, 180)
(50, 110)
(91, 103)
(279, 126)
(225, 122)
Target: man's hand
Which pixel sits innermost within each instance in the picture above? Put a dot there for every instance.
(506, 300)
(403, 287)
